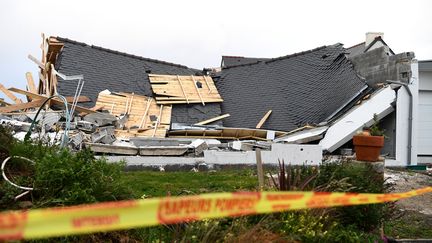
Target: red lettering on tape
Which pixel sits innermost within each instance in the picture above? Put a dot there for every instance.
(187, 209)
(12, 225)
(95, 221)
(283, 197)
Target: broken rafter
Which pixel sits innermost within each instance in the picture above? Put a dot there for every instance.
(143, 119)
(181, 86)
(212, 119)
(22, 106)
(158, 121)
(197, 90)
(35, 60)
(10, 95)
(177, 89)
(30, 83)
(54, 100)
(264, 119)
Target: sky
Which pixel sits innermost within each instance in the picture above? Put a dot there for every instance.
(198, 33)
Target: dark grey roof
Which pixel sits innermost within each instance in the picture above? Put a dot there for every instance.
(303, 88)
(355, 50)
(119, 72)
(229, 61)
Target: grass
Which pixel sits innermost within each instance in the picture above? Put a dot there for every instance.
(159, 184)
(412, 225)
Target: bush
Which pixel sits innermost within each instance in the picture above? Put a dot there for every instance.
(59, 176)
(361, 178)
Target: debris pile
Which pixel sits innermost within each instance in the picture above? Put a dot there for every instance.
(121, 104)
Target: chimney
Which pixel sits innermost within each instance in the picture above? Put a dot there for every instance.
(370, 36)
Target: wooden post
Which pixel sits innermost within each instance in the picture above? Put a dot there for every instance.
(259, 169)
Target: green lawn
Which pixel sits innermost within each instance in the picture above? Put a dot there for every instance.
(158, 184)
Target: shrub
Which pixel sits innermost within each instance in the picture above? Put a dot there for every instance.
(59, 176)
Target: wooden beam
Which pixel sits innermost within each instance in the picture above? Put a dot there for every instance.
(17, 107)
(30, 83)
(208, 86)
(259, 169)
(144, 117)
(181, 86)
(158, 120)
(80, 99)
(264, 119)
(197, 90)
(55, 100)
(212, 119)
(10, 95)
(35, 60)
(3, 102)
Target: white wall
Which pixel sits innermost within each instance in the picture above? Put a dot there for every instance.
(359, 116)
(402, 122)
(425, 80)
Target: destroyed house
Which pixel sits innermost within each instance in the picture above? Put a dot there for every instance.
(105, 69)
(304, 88)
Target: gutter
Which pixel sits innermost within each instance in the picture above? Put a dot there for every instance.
(410, 116)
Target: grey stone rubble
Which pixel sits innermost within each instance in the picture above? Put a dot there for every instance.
(96, 132)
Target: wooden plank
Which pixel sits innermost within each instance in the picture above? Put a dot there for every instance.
(10, 95)
(3, 102)
(80, 99)
(143, 120)
(137, 123)
(197, 90)
(212, 119)
(35, 60)
(30, 83)
(177, 89)
(158, 120)
(264, 119)
(54, 100)
(22, 106)
(181, 85)
(208, 86)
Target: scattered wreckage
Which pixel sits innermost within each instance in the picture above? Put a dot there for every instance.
(120, 104)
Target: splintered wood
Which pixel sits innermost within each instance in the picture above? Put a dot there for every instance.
(176, 89)
(146, 118)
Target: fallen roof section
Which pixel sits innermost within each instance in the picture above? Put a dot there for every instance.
(303, 88)
(179, 89)
(342, 130)
(119, 72)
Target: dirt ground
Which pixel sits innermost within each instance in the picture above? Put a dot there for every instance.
(403, 181)
(414, 220)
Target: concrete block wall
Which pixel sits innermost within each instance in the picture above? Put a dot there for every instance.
(377, 66)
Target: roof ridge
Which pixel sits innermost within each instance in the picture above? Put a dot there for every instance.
(284, 57)
(361, 43)
(122, 53)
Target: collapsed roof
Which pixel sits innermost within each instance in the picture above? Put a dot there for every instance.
(121, 72)
(304, 88)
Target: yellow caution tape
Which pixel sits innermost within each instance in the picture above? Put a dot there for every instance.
(61, 221)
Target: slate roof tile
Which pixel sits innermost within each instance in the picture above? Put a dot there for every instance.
(302, 88)
(121, 72)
